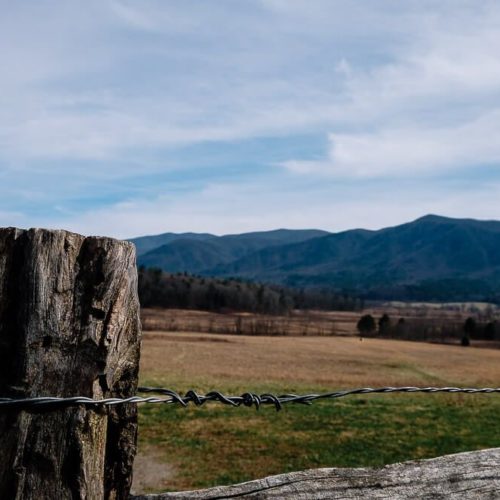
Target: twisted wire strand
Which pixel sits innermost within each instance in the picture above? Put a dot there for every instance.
(168, 396)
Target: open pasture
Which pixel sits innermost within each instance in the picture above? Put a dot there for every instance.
(195, 447)
(210, 359)
(298, 323)
(418, 317)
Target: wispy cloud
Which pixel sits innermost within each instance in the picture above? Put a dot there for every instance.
(433, 107)
(95, 96)
(234, 208)
(409, 152)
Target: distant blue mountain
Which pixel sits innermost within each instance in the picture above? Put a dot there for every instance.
(193, 252)
(431, 258)
(145, 244)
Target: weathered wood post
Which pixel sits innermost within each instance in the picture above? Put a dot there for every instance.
(69, 326)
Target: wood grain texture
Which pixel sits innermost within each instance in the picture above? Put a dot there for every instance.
(472, 475)
(69, 325)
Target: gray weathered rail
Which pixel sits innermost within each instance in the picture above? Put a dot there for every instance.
(471, 475)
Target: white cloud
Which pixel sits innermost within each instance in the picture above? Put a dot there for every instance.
(434, 107)
(87, 85)
(408, 152)
(235, 208)
(105, 89)
(87, 89)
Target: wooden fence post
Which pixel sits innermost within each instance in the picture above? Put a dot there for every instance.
(69, 326)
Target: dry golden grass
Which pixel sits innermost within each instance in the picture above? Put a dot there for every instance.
(203, 361)
(312, 323)
(242, 444)
(297, 323)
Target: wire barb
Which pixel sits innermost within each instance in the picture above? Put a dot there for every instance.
(167, 396)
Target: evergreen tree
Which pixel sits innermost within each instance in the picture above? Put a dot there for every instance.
(366, 325)
(384, 324)
(468, 331)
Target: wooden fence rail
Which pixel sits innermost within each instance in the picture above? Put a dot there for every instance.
(69, 326)
(472, 475)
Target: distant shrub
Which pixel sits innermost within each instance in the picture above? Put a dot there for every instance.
(366, 324)
(384, 324)
(490, 330)
(469, 331)
(470, 326)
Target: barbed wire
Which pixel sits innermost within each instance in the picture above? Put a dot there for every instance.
(168, 396)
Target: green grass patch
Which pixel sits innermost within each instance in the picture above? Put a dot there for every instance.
(214, 444)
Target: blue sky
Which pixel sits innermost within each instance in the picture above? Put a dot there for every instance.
(125, 118)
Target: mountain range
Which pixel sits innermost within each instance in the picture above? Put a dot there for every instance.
(431, 258)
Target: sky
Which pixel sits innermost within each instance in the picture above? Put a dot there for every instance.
(124, 118)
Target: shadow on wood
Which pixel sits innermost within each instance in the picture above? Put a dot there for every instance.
(471, 475)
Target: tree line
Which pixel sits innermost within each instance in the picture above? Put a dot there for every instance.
(187, 291)
(470, 329)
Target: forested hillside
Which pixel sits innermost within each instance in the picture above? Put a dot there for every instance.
(185, 291)
(432, 258)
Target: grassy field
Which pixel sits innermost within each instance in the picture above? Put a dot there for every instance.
(427, 322)
(297, 323)
(196, 447)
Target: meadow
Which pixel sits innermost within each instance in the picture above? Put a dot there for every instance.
(437, 322)
(196, 447)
